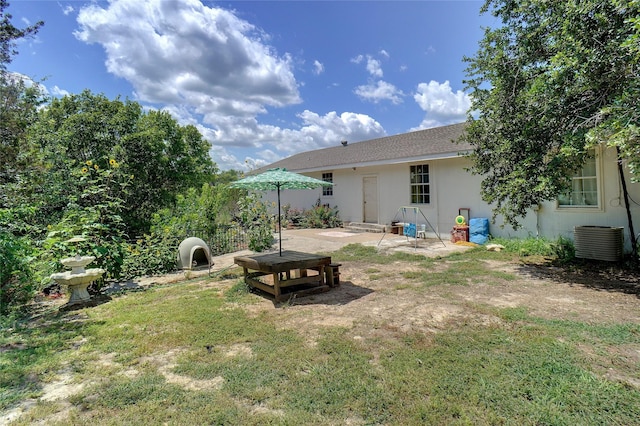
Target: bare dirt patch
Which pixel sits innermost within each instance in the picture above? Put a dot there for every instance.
(397, 302)
(375, 297)
(376, 302)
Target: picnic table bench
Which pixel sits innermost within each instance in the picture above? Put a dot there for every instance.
(291, 273)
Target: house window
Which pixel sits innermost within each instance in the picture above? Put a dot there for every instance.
(584, 186)
(327, 191)
(419, 184)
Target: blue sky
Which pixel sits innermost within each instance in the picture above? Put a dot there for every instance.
(262, 80)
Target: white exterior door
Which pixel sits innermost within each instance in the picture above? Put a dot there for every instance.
(370, 199)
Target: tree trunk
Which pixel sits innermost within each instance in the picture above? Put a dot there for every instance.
(625, 192)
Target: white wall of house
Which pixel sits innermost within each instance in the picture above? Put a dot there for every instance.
(559, 221)
(452, 188)
(295, 198)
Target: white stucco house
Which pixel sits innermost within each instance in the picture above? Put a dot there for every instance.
(373, 179)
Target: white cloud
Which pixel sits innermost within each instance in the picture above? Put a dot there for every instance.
(209, 68)
(252, 164)
(331, 128)
(267, 156)
(203, 64)
(16, 78)
(358, 59)
(318, 68)
(380, 91)
(56, 91)
(374, 67)
(268, 143)
(66, 10)
(441, 104)
(318, 131)
(184, 52)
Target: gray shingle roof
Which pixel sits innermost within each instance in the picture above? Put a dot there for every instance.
(438, 142)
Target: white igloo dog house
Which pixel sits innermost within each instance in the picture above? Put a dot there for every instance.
(192, 253)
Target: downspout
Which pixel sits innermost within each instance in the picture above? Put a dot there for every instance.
(625, 193)
(438, 213)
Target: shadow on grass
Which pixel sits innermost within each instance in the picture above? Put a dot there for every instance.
(343, 294)
(124, 286)
(95, 300)
(622, 277)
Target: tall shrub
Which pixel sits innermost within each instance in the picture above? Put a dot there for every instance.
(195, 210)
(16, 284)
(321, 216)
(254, 216)
(94, 215)
(150, 255)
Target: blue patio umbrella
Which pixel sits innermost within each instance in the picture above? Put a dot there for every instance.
(277, 179)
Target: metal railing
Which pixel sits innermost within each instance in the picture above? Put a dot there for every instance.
(222, 239)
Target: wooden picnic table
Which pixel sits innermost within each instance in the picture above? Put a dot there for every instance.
(289, 273)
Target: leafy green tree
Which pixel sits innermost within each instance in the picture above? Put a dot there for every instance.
(197, 210)
(86, 126)
(227, 176)
(161, 157)
(95, 214)
(619, 123)
(16, 284)
(18, 107)
(165, 159)
(541, 84)
(9, 34)
(18, 100)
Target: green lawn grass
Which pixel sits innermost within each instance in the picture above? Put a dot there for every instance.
(522, 370)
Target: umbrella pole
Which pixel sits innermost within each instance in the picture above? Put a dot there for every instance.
(279, 223)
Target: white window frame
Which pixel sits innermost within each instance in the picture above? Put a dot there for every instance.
(327, 191)
(580, 177)
(416, 181)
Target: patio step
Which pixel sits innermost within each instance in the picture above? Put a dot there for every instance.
(365, 227)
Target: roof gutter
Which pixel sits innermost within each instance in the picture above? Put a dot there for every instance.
(433, 157)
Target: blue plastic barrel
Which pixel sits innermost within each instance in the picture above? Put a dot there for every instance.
(479, 230)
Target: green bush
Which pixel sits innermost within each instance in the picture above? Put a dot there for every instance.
(196, 213)
(530, 246)
(321, 216)
(561, 248)
(108, 248)
(196, 210)
(254, 216)
(94, 215)
(292, 216)
(151, 255)
(17, 286)
(564, 249)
